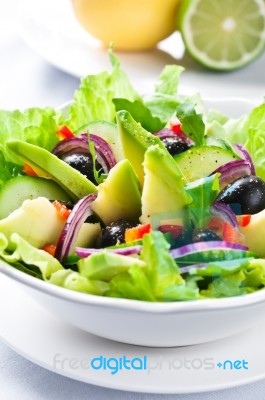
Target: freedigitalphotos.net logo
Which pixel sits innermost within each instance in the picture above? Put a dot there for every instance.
(145, 364)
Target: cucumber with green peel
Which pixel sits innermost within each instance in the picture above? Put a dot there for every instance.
(21, 188)
(212, 255)
(107, 131)
(201, 161)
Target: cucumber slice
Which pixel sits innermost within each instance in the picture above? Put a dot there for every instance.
(21, 188)
(201, 161)
(107, 131)
(210, 255)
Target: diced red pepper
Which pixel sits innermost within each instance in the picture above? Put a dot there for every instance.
(49, 248)
(175, 125)
(243, 220)
(62, 210)
(65, 133)
(28, 170)
(137, 233)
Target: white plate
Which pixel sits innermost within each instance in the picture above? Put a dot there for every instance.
(50, 28)
(39, 336)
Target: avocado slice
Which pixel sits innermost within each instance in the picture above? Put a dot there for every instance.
(47, 165)
(119, 196)
(135, 141)
(163, 190)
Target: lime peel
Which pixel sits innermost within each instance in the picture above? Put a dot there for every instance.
(224, 35)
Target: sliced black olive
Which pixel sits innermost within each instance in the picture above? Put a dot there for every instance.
(83, 163)
(114, 233)
(175, 145)
(245, 195)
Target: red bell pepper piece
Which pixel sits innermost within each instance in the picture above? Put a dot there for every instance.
(65, 133)
(61, 209)
(137, 233)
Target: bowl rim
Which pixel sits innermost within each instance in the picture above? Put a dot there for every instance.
(172, 307)
(187, 306)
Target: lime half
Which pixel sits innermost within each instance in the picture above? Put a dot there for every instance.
(223, 34)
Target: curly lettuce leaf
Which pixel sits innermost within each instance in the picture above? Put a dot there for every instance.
(28, 255)
(248, 130)
(162, 271)
(94, 99)
(72, 280)
(168, 80)
(35, 125)
(105, 265)
(230, 278)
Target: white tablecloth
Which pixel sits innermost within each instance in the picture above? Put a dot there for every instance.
(26, 80)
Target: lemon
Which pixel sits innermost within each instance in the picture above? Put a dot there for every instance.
(223, 34)
(130, 24)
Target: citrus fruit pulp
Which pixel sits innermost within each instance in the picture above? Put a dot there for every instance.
(223, 34)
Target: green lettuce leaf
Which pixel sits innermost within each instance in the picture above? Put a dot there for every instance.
(34, 125)
(162, 106)
(74, 281)
(168, 80)
(192, 123)
(104, 266)
(8, 170)
(28, 255)
(203, 193)
(248, 130)
(230, 278)
(94, 99)
(133, 284)
(162, 271)
(140, 113)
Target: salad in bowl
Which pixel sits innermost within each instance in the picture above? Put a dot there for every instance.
(149, 198)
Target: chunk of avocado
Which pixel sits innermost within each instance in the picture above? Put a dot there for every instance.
(119, 196)
(163, 189)
(135, 141)
(36, 221)
(47, 165)
(254, 233)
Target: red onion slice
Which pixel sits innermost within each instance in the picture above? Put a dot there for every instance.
(231, 171)
(81, 211)
(166, 133)
(242, 151)
(201, 246)
(225, 213)
(125, 251)
(103, 151)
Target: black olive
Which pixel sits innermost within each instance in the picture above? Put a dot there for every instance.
(184, 238)
(204, 235)
(114, 233)
(245, 195)
(175, 145)
(83, 163)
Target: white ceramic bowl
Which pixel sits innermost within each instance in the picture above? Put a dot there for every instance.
(150, 324)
